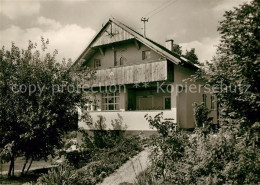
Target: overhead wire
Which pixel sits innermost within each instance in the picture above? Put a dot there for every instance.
(156, 11)
(160, 8)
(161, 5)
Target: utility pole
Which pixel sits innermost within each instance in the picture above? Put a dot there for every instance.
(143, 19)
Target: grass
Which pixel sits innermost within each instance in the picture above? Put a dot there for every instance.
(37, 168)
(19, 162)
(18, 179)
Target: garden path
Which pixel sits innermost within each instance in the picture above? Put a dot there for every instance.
(127, 172)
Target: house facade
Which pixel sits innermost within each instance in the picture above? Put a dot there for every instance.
(136, 76)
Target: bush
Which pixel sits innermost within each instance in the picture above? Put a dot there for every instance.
(79, 158)
(147, 177)
(106, 161)
(99, 137)
(168, 146)
(201, 115)
(61, 175)
(220, 158)
(98, 163)
(102, 153)
(229, 157)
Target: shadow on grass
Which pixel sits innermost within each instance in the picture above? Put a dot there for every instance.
(20, 179)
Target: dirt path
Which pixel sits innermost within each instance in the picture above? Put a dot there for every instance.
(129, 170)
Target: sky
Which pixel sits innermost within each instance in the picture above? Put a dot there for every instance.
(70, 25)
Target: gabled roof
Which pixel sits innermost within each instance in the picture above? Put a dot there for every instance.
(173, 57)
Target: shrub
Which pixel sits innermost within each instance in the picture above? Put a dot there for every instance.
(79, 158)
(221, 158)
(98, 163)
(107, 150)
(99, 137)
(201, 115)
(146, 177)
(61, 175)
(229, 157)
(96, 139)
(168, 146)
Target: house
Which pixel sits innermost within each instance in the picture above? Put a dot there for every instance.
(137, 76)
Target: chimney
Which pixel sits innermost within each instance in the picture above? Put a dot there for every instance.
(169, 44)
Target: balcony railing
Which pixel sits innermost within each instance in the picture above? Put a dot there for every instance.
(147, 72)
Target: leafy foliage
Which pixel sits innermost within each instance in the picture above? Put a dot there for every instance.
(237, 65)
(79, 158)
(99, 137)
(176, 48)
(95, 139)
(102, 152)
(36, 106)
(232, 155)
(106, 161)
(167, 147)
(97, 164)
(60, 175)
(202, 119)
(191, 56)
(200, 158)
(164, 127)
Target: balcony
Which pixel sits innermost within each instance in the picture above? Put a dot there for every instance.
(148, 72)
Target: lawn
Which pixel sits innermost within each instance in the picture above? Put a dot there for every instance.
(18, 180)
(36, 169)
(19, 162)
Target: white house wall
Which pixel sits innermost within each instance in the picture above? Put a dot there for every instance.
(133, 119)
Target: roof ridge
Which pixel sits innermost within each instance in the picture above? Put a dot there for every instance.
(173, 57)
(154, 42)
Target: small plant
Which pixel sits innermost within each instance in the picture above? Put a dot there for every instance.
(79, 158)
(201, 115)
(167, 147)
(228, 157)
(100, 137)
(163, 126)
(103, 152)
(146, 177)
(61, 175)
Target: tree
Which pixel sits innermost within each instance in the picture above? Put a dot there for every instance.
(234, 74)
(176, 48)
(231, 156)
(39, 100)
(191, 56)
(235, 70)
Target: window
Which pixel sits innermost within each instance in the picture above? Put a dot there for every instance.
(212, 101)
(167, 102)
(97, 63)
(123, 61)
(204, 96)
(146, 55)
(110, 101)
